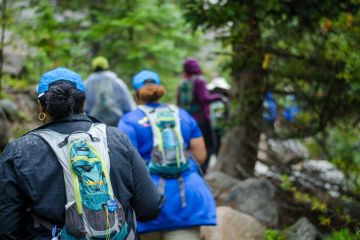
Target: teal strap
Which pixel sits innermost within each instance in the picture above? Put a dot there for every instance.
(123, 234)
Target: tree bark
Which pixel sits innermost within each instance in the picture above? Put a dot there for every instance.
(239, 149)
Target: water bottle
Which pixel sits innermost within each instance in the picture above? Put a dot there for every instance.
(170, 143)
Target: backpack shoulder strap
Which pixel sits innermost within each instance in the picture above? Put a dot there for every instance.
(150, 113)
(54, 139)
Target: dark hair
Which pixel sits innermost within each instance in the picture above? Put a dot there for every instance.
(150, 93)
(62, 100)
(99, 69)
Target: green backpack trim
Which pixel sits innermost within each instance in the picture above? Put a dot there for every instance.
(158, 152)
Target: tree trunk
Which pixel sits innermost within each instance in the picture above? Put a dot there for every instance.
(238, 153)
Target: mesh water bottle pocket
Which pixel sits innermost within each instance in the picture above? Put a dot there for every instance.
(100, 220)
(74, 223)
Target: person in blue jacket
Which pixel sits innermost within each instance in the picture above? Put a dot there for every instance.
(182, 213)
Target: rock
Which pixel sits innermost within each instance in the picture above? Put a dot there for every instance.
(8, 113)
(220, 182)
(15, 53)
(287, 151)
(262, 169)
(302, 230)
(326, 170)
(233, 225)
(4, 129)
(255, 197)
(9, 108)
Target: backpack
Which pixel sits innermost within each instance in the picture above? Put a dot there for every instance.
(186, 96)
(168, 158)
(92, 211)
(217, 114)
(105, 108)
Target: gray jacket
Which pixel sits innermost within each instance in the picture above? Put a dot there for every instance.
(107, 97)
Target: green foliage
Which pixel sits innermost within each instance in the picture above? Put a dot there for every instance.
(16, 83)
(315, 204)
(311, 54)
(271, 234)
(344, 234)
(133, 35)
(340, 145)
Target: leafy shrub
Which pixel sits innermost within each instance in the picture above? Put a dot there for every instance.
(271, 234)
(344, 234)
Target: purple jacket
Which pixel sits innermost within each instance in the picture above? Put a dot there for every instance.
(202, 97)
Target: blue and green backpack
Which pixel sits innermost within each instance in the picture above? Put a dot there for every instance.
(168, 157)
(92, 210)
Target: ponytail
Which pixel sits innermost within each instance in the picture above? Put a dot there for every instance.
(150, 93)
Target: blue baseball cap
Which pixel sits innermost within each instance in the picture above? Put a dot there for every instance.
(60, 73)
(142, 78)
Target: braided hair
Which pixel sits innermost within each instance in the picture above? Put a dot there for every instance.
(62, 100)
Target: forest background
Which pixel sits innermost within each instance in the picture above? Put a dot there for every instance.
(305, 48)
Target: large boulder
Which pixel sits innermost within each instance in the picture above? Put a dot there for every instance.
(286, 152)
(325, 170)
(220, 183)
(233, 225)
(302, 230)
(8, 112)
(255, 197)
(15, 53)
(4, 129)
(9, 108)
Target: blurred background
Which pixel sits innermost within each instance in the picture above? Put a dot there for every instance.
(291, 137)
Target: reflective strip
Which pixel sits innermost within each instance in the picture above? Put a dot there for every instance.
(162, 186)
(182, 191)
(84, 158)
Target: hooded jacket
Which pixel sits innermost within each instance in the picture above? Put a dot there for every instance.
(32, 181)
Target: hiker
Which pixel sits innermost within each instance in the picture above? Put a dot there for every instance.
(219, 110)
(171, 143)
(283, 110)
(195, 99)
(107, 97)
(72, 162)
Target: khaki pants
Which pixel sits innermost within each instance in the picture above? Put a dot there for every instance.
(182, 234)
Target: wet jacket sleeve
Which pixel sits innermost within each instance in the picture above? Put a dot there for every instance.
(12, 201)
(147, 200)
(203, 94)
